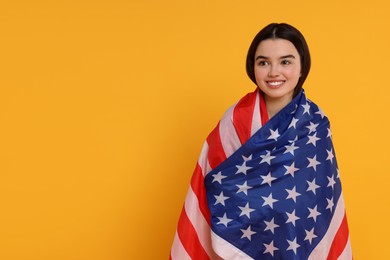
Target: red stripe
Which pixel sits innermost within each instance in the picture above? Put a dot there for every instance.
(242, 116)
(340, 240)
(216, 153)
(197, 184)
(189, 238)
(263, 111)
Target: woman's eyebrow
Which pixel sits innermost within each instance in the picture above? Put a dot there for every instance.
(262, 57)
(290, 56)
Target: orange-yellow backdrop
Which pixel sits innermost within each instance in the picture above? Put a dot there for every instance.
(104, 106)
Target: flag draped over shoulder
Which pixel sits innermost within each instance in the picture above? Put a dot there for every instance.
(265, 190)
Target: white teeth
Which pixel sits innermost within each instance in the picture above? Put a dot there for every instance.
(275, 83)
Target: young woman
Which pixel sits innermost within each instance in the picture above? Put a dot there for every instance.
(267, 185)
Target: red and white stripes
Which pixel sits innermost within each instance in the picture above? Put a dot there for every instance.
(193, 236)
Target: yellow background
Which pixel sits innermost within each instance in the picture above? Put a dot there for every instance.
(104, 106)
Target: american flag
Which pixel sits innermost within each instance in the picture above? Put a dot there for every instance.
(265, 190)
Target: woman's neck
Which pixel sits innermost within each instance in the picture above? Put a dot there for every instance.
(274, 105)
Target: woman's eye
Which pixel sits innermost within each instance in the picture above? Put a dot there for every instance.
(286, 62)
(263, 63)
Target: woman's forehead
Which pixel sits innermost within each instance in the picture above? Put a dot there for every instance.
(276, 48)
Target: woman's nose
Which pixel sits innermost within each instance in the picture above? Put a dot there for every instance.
(273, 71)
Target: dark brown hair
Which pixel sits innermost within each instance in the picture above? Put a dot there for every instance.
(286, 32)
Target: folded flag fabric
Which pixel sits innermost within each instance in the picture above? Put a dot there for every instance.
(265, 189)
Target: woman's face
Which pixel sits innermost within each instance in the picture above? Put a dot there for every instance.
(277, 69)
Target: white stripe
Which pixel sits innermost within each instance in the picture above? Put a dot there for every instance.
(203, 160)
(347, 253)
(229, 138)
(226, 250)
(177, 251)
(197, 219)
(256, 118)
(322, 249)
(208, 168)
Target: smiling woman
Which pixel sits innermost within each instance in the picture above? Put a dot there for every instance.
(267, 183)
(277, 71)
